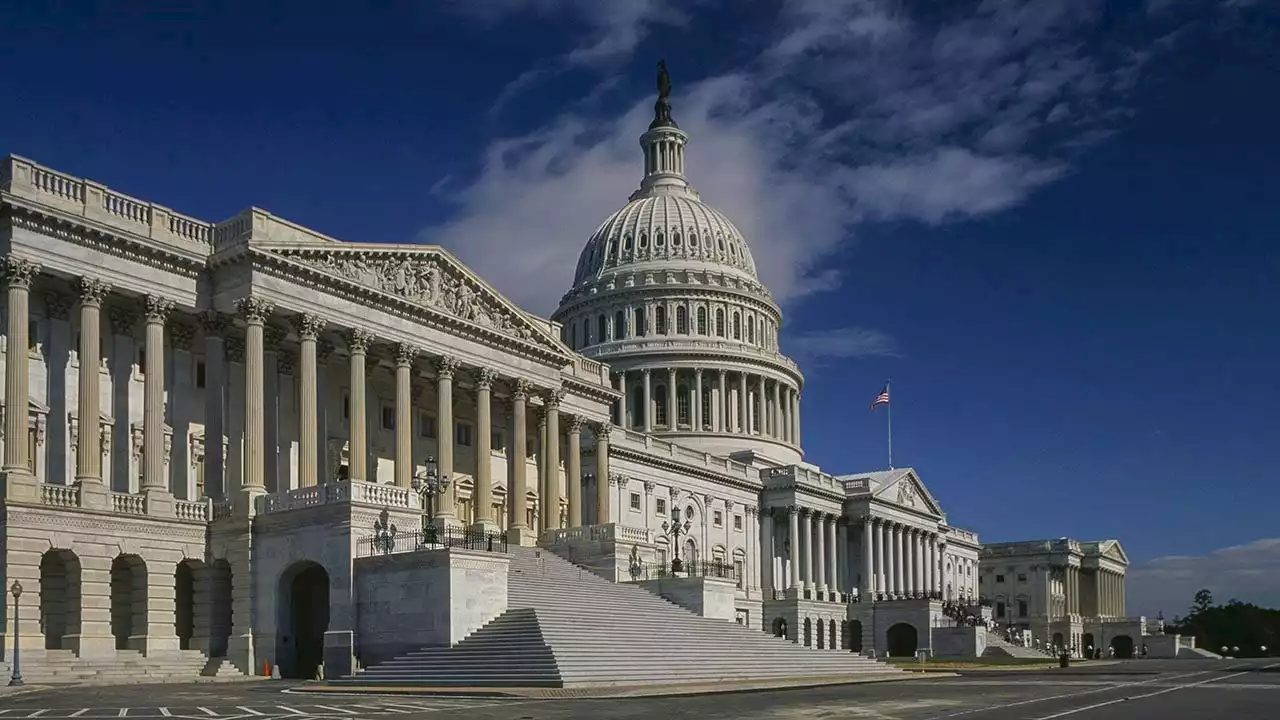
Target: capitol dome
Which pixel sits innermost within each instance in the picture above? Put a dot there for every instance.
(666, 293)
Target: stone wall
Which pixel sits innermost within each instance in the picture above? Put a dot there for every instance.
(411, 600)
(959, 642)
(708, 597)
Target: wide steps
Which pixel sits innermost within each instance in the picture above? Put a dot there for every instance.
(63, 666)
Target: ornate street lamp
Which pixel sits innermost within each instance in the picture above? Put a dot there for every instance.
(16, 679)
(429, 485)
(384, 533)
(674, 530)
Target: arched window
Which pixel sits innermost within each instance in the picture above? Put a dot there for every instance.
(602, 329)
(635, 418)
(682, 401)
(660, 405)
(640, 327)
(660, 319)
(751, 329)
(586, 331)
(720, 322)
(682, 320)
(706, 408)
(702, 321)
(737, 326)
(619, 325)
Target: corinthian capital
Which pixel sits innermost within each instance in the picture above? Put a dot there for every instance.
(158, 308)
(446, 367)
(520, 390)
(92, 291)
(405, 353)
(485, 378)
(359, 340)
(18, 272)
(308, 326)
(254, 309)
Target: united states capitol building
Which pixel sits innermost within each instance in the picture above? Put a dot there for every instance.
(245, 444)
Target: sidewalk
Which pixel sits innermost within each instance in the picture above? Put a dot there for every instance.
(613, 691)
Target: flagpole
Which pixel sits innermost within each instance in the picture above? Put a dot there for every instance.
(890, 404)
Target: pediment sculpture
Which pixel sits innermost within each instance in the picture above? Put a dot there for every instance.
(906, 494)
(424, 279)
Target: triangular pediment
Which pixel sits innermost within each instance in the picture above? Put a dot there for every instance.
(425, 275)
(1111, 550)
(908, 491)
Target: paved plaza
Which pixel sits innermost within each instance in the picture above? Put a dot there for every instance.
(1168, 690)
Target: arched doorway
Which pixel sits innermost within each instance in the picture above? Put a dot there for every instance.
(854, 633)
(822, 634)
(219, 608)
(808, 632)
(1123, 647)
(1086, 644)
(184, 601)
(59, 596)
(304, 617)
(903, 640)
(831, 635)
(1057, 640)
(780, 627)
(129, 602)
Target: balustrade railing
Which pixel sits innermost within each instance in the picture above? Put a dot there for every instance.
(723, 571)
(430, 538)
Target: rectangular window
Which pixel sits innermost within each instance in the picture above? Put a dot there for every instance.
(531, 446)
(495, 441)
(1000, 609)
(718, 518)
(199, 481)
(738, 572)
(635, 502)
(33, 335)
(462, 434)
(388, 417)
(346, 405)
(1022, 608)
(660, 407)
(142, 359)
(999, 578)
(661, 507)
(706, 408)
(1022, 577)
(200, 371)
(737, 523)
(682, 402)
(426, 426)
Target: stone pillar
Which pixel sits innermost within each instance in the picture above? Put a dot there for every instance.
(573, 470)
(89, 438)
(550, 490)
(308, 328)
(673, 404)
(484, 449)
(806, 528)
(899, 586)
(766, 553)
(518, 531)
(216, 427)
(358, 341)
(795, 417)
(624, 419)
(793, 564)
(602, 473)
(775, 414)
(154, 483)
(255, 312)
(695, 406)
(835, 551)
(817, 528)
(880, 529)
(446, 367)
(20, 484)
(868, 585)
(744, 405)
(648, 400)
(721, 419)
(405, 353)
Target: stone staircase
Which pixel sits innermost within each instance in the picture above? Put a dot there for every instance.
(997, 646)
(567, 627)
(62, 666)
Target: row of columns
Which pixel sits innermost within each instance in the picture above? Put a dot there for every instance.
(904, 561)
(19, 275)
(815, 541)
(744, 404)
(1110, 593)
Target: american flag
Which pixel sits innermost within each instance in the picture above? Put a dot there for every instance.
(882, 398)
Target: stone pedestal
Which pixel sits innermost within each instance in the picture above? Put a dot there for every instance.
(339, 653)
(159, 502)
(522, 536)
(94, 496)
(20, 486)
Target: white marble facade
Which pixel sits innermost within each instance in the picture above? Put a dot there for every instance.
(243, 372)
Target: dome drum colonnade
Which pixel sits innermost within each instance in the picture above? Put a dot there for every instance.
(264, 332)
(667, 281)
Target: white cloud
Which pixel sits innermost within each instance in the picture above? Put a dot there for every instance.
(852, 343)
(1249, 573)
(854, 111)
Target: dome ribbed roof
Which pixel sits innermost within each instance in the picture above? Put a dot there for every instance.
(651, 231)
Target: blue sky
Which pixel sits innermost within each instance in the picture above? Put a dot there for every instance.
(1052, 223)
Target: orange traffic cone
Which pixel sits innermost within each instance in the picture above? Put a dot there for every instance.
(266, 668)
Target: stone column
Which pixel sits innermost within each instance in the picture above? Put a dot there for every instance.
(695, 407)
(868, 585)
(806, 527)
(216, 426)
(898, 585)
(573, 470)
(549, 493)
(816, 528)
(308, 328)
(673, 409)
(648, 400)
(793, 574)
(358, 341)
(623, 411)
(834, 553)
(255, 311)
(518, 531)
(20, 484)
(795, 417)
(89, 438)
(153, 479)
(744, 405)
(766, 559)
(775, 415)
(880, 529)
(405, 353)
(721, 416)
(446, 367)
(602, 473)
(483, 500)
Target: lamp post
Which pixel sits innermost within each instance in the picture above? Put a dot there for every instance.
(16, 679)
(674, 530)
(429, 485)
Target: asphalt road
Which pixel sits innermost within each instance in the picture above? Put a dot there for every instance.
(1175, 690)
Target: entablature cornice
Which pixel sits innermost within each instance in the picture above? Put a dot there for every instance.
(625, 354)
(647, 282)
(409, 282)
(642, 458)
